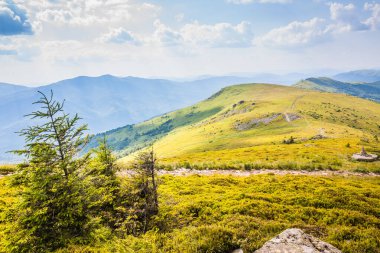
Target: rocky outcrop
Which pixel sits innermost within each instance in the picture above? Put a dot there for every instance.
(294, 240)
(255, 122)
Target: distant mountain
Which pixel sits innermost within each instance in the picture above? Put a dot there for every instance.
(359, 76)
(363, 90)
(104, 102)
(7, 89)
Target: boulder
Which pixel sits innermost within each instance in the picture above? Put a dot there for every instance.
(294, 240)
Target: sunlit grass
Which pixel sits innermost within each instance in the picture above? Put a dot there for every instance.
(347, 123)
(219, 213)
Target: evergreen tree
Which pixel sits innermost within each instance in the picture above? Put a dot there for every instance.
(104, 188)
(146, 187)
(53, 208)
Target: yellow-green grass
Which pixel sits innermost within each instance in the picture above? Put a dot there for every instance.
(344, 120)
(220, 213)
(7, 169)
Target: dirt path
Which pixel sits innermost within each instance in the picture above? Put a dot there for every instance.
(287, 117)
(188, 172)
(291, 108)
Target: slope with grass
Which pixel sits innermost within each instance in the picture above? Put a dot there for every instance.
(222, 213)
(363, 90)
(260, 126)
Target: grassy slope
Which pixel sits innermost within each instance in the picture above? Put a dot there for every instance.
(221, 213)
(212, 140)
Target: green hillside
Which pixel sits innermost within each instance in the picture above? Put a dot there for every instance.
(363, 90)
(260, 126)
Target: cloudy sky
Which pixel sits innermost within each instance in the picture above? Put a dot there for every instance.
(42, 41)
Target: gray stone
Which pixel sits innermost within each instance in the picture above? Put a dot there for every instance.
(294, 240)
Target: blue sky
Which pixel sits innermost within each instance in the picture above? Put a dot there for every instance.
(43, 41)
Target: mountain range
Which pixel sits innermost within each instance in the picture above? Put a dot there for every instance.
(104, 102)
(109, 102)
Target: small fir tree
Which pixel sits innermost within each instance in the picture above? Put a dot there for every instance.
(53, 210)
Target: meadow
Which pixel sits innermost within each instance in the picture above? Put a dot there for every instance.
(221, 213)
(221, 133)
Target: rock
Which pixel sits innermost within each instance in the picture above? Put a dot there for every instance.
(364, 156)
(294, 240)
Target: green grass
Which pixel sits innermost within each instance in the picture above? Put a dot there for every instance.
(220, 213)
(213, 140)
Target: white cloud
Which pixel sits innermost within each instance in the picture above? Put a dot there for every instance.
(374, 21)
(218, 35)
(259, 1)
(345, 17)
(340, 11)
(118, 35)
(51, 15)
(295, 34)
(90, 12)
(201, 35)
(165, 36)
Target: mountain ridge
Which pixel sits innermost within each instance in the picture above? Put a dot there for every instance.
(364, 90)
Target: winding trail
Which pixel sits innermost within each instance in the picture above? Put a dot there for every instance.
(244, 173)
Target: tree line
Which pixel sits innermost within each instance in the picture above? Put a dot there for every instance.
(67, 197)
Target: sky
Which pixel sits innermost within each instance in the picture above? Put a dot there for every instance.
(42, 41)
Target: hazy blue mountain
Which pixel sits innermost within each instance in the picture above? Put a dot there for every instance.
(7, 89)
(365, 76)
(104, 102)
(363, 90)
